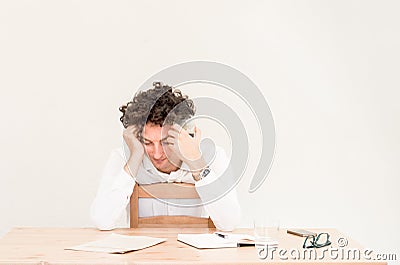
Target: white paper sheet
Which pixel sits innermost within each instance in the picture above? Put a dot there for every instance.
(206, 241)
(220, 240)
(116, 243)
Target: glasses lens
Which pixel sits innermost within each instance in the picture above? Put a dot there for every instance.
(322, 240)
(309, 242)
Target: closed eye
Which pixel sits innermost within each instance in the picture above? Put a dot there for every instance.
(164, 143)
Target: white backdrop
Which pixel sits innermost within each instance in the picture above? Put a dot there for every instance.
(328, 69)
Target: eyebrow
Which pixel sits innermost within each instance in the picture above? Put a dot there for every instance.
(145, 139)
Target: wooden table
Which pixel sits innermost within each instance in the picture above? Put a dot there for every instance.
(46, 246)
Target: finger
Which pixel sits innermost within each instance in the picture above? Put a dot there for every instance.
(197, 133)
(182, 130)
(173, 133)
(177, 127)
(131, 128)
(170, 141)
(172, 129)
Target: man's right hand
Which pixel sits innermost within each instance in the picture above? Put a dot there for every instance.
(135, 146)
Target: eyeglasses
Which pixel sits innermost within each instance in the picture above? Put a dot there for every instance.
(319, 241)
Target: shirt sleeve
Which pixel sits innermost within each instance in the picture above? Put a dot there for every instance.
(113, 196)
(224, 209)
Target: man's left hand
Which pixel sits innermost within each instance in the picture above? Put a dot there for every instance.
(186, 147)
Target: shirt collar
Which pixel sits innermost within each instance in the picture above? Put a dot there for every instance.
(151, 168)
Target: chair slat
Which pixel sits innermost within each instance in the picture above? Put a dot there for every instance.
(168, 191)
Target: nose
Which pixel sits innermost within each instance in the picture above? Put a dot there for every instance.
(158, 151)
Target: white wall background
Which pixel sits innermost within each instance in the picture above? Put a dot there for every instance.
(329, 70)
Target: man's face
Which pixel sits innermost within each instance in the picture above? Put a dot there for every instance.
(157, 148)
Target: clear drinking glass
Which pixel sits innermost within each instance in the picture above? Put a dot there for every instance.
(266, 229)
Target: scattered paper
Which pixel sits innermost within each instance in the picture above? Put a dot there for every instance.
(206, 241)
(221, 240)
(116, 243)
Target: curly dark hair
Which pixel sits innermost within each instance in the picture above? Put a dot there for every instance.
(158, 105)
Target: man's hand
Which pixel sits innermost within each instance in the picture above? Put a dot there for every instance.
(133, 143)
(186, 147)
(135, 148)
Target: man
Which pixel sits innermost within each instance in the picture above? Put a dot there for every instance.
(160, 150)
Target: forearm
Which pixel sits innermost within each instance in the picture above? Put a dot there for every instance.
(115, 190)
(227, 219)
(224, 212)
(222, 206)
(110, 204)
(132, 165)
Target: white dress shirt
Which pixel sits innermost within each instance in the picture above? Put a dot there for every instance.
(110, 209)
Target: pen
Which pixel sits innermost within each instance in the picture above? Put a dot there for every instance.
(221, 235)
(239, 244)
(245, 245)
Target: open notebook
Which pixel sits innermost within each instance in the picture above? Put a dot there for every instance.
(220, 240)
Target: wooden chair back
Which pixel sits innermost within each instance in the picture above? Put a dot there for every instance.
(165, 191)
